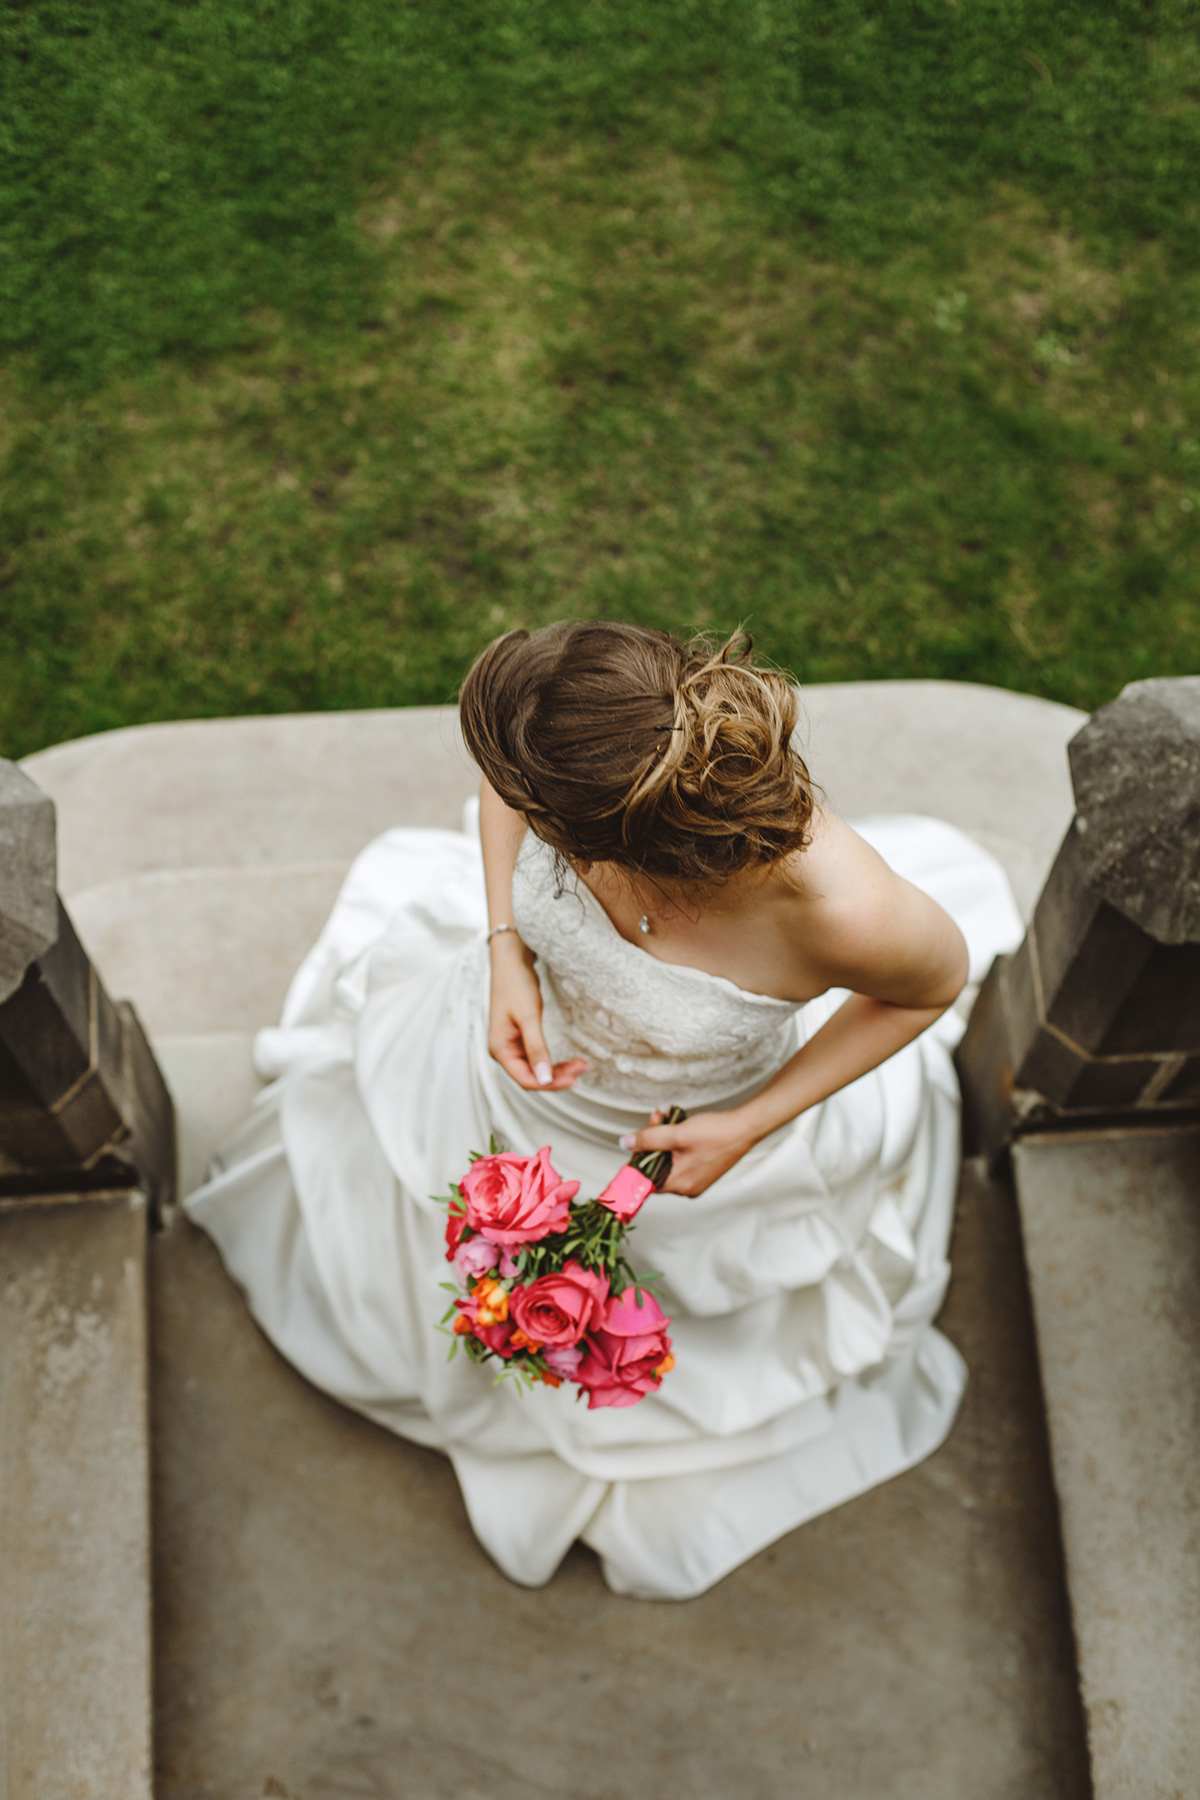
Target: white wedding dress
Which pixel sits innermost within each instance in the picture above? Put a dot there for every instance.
(803, 1283)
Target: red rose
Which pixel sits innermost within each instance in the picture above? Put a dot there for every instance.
(496, 1338)
(628, 1354)
(495, 1334)
(517, 1199)
(456, 1224)
(556, 1310)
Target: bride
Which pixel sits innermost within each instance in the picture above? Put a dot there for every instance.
(654, 908)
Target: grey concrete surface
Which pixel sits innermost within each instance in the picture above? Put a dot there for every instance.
(992, 762)
(206, 950)
(316, 787)
(1112, 1233)
(213, 1084)
(28, 907)
(328, 1627)
(1136, 773)
(74, 1503)
(218, 793)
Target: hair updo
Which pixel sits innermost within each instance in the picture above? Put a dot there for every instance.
(624, 745)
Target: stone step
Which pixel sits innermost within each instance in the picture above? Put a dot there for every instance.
(1111, 1224)
(219, 793)
(213, 1083)
(223, 793)
(75, 1652)
(206, 950)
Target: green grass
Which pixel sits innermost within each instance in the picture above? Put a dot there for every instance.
(342, 335)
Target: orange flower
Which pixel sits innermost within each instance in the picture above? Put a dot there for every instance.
(519, 1341)
(462, 1324)
(493, 1301)
(664, 1367)
(549, 1379)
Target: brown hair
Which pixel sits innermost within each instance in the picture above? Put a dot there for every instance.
(624, 745)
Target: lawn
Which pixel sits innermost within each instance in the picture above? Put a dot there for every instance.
(340, 335)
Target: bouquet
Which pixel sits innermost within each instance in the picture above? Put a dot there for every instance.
(544, 1286)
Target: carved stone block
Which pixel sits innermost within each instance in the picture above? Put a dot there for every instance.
(1097, 1014)
(28, 864)
(82, 1101)
(1135, 768)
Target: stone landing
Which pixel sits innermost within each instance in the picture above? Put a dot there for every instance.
(1112, 1227)
(75, 1711)
(327, 1625)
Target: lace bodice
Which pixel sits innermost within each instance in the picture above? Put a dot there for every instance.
(651, 1031)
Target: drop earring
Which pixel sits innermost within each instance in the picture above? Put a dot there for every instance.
(644, 925)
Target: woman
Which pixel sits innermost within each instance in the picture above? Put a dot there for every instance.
(671, 916)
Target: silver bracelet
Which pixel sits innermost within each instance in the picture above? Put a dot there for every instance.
(496, 930)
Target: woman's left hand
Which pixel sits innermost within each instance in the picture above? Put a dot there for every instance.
(702, 1148)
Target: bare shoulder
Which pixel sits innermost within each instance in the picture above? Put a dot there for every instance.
(864, 926)
(837, 872)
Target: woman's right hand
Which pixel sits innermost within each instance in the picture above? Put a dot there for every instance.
(515, 1038)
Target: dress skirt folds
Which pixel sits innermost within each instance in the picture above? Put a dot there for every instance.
(803, 1284)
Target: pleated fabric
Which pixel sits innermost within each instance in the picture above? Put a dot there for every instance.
(803, 1284)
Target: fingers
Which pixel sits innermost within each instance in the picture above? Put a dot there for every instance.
(511, 1057)
(684, 1179)
(566, 1074)
(520, 1049)
(537, 1055)
(689, 1176)
(515, 1055)
(654, 1137)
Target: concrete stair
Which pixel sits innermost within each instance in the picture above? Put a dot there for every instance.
(75, 1665)
(198, 861)
(1111, 1223)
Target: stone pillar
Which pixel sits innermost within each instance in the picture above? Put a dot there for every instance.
(1096, 1018)
(83, 1105)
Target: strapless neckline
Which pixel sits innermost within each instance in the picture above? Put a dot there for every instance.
(648, 1029)
(687, 970)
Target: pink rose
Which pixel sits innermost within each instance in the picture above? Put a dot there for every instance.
(475, 1256)
(563, 1359)
(517, 1199)
(630, 1352)
(478, 1255)
(625, 1192)
(557, 1309)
